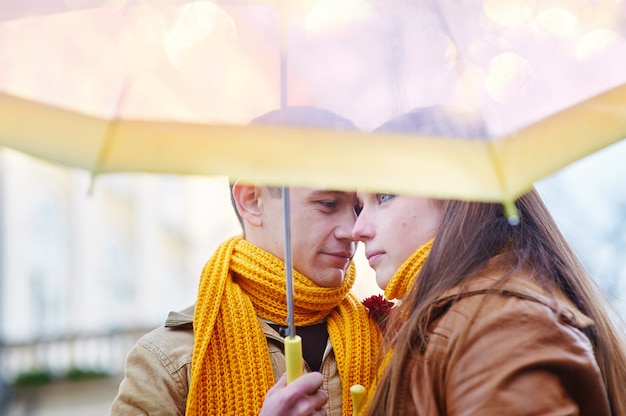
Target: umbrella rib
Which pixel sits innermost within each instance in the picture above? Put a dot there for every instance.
(110, 131)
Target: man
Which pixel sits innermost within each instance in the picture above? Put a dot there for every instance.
(233, 338)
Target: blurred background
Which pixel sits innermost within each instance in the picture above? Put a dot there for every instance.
(88, 267)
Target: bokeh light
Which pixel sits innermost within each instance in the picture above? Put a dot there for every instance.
(467, 92)
(510, 12)
(196, 21)
(556, 22)
(328, 15)
(596, 41)
(111, 5)
(508, 77)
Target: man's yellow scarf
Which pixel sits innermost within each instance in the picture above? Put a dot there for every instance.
(231, 370)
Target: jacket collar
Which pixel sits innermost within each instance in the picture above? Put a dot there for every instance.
(521, 284)
(184, 320)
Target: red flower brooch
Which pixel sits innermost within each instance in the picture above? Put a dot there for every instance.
(379, 309)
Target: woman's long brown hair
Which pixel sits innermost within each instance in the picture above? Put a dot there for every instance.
(470, 234)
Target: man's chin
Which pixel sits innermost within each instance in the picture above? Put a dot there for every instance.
(332, 278)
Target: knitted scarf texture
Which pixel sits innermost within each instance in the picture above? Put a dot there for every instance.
(231, 370)
(404, 278)
(399, 284)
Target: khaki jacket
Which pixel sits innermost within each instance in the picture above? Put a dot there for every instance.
(520, 351)
(158, 370)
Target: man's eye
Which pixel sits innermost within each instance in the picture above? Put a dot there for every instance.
(380, 198)
(329, 204)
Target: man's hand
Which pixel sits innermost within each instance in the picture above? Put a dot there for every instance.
(301, 397)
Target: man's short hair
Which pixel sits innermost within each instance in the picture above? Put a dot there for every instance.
(299, 116)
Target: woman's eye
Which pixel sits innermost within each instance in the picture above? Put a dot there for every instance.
(380, 198)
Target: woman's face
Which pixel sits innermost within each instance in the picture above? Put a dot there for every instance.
(392, 228)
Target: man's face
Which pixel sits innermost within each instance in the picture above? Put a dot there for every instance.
(321, 232)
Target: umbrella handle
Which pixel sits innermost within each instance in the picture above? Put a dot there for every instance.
(293, 357)
(358, 393)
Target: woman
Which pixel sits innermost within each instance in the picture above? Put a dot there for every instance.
(495, 318)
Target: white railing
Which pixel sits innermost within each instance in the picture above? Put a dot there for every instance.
(104, 352)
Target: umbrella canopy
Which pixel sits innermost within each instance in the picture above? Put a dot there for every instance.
(170, 86)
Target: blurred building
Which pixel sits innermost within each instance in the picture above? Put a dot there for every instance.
(87, 267)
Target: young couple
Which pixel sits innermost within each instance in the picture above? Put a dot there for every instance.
(494, 318)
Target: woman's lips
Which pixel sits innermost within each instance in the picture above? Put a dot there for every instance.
(373, 257)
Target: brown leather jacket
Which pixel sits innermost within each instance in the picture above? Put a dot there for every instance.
(158, 370)
(519, 351)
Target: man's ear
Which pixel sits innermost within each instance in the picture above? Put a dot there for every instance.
(249, 203)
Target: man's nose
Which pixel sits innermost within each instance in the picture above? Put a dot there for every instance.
(344, 229)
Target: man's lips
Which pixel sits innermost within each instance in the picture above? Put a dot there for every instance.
(373, 257)
(343, 254)
(342, 257)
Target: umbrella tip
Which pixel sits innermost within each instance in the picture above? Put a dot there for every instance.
(511, 212)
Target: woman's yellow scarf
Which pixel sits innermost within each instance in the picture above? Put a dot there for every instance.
(400, 283)
(404, 278)
(231, 369)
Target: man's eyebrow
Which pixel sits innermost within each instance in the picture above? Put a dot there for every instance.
(324, 192)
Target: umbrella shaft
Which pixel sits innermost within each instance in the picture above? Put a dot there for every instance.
(288, 266)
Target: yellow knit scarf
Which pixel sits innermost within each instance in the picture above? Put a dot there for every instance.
(399, 284)
(404, 278)
(231, 369)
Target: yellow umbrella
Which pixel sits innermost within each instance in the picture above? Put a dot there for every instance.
(170, 86)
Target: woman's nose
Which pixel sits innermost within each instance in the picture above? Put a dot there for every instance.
(362, 229)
